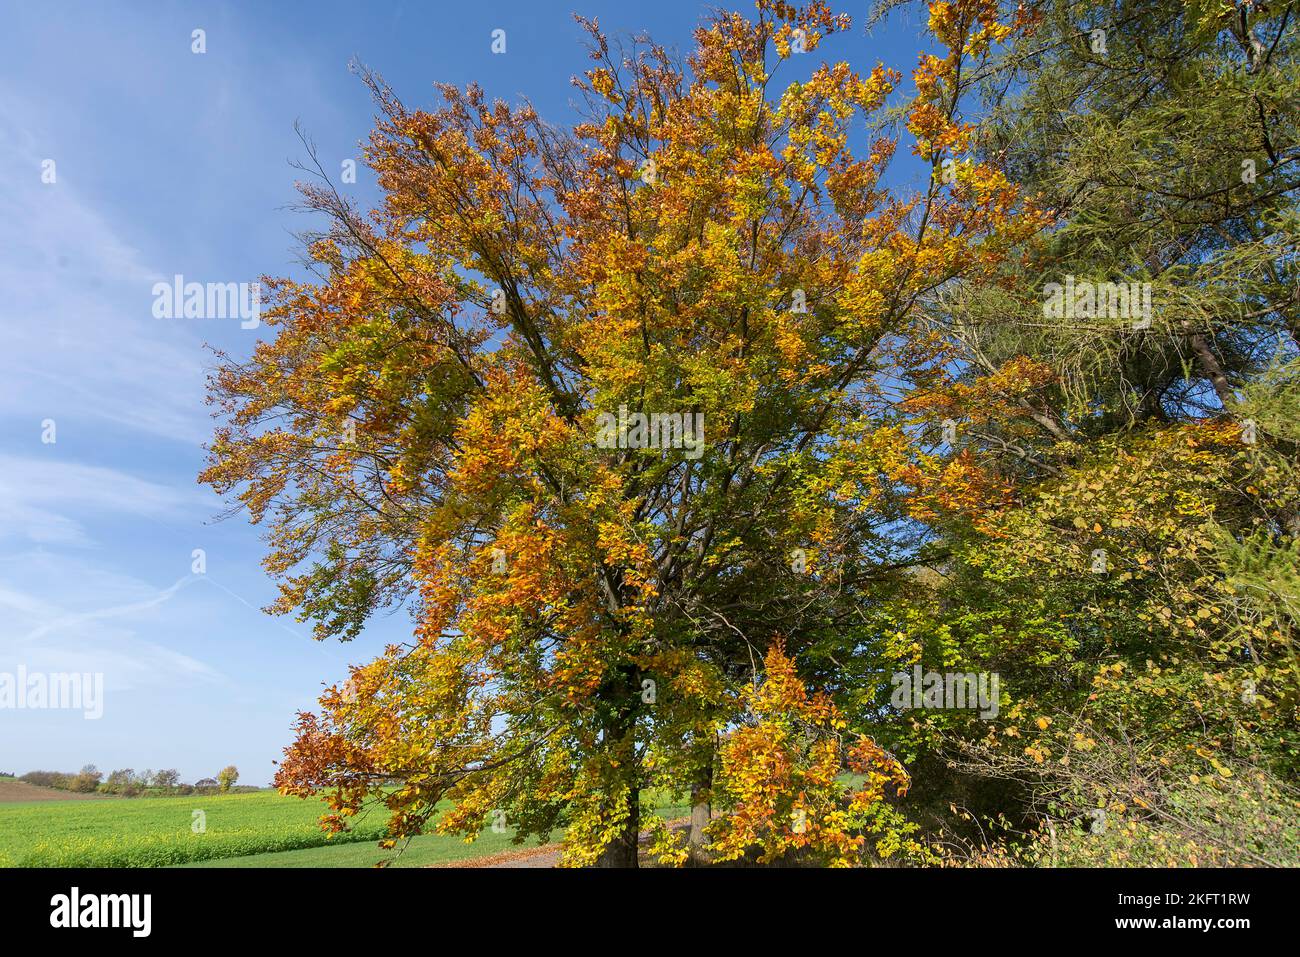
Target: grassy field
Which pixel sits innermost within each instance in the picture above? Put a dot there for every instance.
(242, 830)
(155, 832)
(424, 851)
(421, 852)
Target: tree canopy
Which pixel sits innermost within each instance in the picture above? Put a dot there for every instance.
(684, 430)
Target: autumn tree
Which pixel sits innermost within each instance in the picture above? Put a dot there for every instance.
(227, 777)
(120, 781)
(449, 417)
(86, 780)
(1132, 581)
(168, 778)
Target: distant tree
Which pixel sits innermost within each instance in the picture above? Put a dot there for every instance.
(119, 781)
(86, 780)
(167, 779)
(228, 776)
(206, 783)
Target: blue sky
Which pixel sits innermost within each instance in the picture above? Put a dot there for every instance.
(166, 162)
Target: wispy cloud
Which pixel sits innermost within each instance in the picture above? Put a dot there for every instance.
(91, 621)
(76, 310)
(46, 501)
(79, 620)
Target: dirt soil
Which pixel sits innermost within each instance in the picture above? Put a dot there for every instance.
(19, 791)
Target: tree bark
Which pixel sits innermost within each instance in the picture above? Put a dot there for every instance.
(701, 810)
(622, 851)
(1213, 371)
(621, 731)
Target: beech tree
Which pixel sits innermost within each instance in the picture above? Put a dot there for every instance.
(597, 626)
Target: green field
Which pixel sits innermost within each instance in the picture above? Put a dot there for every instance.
(421, 852)
(262, 829)
(155, 832)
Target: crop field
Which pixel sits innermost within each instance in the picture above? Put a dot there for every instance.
(157, 832)
(262, 829)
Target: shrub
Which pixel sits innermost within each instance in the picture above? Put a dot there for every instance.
(86, 781)
(46, 779)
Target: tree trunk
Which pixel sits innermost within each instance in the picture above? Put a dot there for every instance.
(621, 733)
(701, 811)
(1213, 371)
(622, 851)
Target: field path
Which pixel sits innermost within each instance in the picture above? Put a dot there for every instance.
(544, 855)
